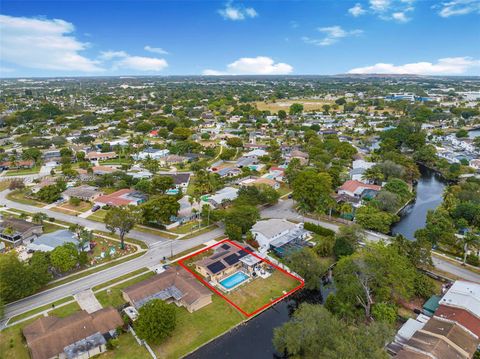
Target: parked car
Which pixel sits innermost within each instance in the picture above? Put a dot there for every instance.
(95, 208)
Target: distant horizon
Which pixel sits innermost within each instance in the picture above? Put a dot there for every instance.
(347, 75)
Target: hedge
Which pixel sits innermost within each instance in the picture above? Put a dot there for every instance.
(318, 229)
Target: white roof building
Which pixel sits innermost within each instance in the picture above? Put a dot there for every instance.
(464, 295)
(276, 233)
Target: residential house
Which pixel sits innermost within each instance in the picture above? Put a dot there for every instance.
(123, 197)
(223, 197)
(278, 234)
(170, 160)
(224, 261)
(180, 180)
(8, 165)
(174, 285)
(80, 335)
(358, 189)
(100, 156)
(153, 153)
(16, 231)
(83, 192)
(49, 241)
(261, 182)
(452, 331)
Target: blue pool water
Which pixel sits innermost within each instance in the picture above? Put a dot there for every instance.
(234, 280)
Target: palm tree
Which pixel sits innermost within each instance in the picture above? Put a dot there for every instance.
(39, 217)
(469, 240)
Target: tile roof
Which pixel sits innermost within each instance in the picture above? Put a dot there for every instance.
(460, 315)
(48, 336)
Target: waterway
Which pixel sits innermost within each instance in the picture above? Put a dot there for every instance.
(429, 190)
(474, 133)
(253, 340)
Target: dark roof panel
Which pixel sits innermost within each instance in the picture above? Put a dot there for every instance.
(232, 259)
(216, 267)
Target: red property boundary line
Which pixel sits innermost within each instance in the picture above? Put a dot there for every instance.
(216, 291)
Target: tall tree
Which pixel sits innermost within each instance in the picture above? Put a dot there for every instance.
(121, 219)
(156, 321)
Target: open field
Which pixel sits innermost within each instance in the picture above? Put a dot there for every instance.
(308, 105)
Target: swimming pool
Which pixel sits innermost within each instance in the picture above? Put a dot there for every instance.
(233, 280)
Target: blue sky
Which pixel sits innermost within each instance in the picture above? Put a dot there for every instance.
(88, 38)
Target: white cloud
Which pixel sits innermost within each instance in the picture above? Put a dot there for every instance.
(332, 35)
(260, 65)
(380, 5)
(141, 63)
(109, 55)
(121, 60)
(388, 10)
(237, 12)
(400, 17)
(155, 50)
(445, 66)
(459, 7)
(45, 44)
(357, 10)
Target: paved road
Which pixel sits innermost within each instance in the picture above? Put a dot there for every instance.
(148, 238)
(152, 257)
(284, 209)
(161, 247)
(461, 272)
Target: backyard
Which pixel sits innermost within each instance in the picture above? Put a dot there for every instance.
(197, 328)
(259, 292)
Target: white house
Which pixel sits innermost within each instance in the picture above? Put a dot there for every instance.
(275, 233)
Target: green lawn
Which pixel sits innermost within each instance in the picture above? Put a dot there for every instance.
(201, 231)
(185, 228)
(24, 171)
(98, 216)
(118, 279)
(126, 348)
(113, 296)
(12, 343)
(197, 328)
(39, 309)
(65, 311)
(4, 185)
(252, 296)
(155, 231)
(19, 196)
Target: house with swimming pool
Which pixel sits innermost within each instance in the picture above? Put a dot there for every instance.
(230, 266)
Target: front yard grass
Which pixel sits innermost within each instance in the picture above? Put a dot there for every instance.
(65, 311)
(24, 171)
(98, 216)
(195, 329)
(259, 292)
(39, 309)
(20, 197)
(12, 343)
(113, 296)
(70, 209)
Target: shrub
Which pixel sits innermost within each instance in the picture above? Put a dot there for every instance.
(74, 201)
(423, 286)
(343, 247)
(315, 228)
(384, 312)
(473, 260)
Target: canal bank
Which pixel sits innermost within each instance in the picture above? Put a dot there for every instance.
(429, 195)
(253, 339)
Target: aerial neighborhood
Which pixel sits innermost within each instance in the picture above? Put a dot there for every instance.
(147, 216)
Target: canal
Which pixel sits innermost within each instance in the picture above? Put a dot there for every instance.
(253, 340)
(429, 190)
